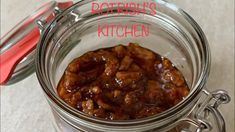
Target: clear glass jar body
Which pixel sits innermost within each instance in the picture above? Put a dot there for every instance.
(173, 34)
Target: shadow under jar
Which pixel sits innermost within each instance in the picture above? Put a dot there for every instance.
(173, 34)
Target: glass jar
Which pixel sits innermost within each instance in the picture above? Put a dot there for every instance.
(173, 34)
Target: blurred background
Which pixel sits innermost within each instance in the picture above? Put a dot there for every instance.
(24, 107)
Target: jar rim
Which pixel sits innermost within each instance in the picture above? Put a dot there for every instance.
(193, 94)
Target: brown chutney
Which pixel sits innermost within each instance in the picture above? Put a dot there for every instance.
(122, 83)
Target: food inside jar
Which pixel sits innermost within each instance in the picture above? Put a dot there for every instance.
(122, 83)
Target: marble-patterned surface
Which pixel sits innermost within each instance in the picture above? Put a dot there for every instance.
(23, 105)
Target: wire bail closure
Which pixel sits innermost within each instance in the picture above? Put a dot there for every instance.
(208, 108)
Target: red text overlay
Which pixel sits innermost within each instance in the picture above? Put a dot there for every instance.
(127, 8)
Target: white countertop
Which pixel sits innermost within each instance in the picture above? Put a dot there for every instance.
(24, 107)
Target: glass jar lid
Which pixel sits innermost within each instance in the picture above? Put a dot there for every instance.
(18, 45)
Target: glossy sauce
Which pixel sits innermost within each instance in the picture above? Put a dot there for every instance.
(122, 83)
